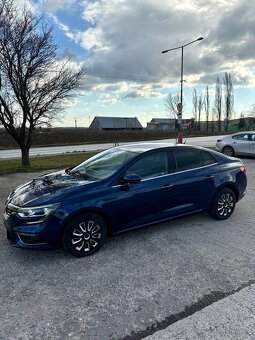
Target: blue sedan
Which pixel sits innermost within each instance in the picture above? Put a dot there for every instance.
(120, 189)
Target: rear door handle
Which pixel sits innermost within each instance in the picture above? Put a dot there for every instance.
(166, 186)
(208, 177)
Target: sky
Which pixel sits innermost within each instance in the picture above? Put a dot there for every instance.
(120, 43)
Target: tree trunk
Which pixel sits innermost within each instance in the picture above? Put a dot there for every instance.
(25, 156)
(226, 127)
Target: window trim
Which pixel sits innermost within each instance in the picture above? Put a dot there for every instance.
(202, 159)
(170, 151)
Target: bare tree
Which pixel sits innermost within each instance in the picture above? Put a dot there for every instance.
(229, 97)
(171, 103)
(200, 105)
(252, 112)
(34, 83)
(207, 107)
(195, 107)
(218, 102)
(241, 123)
(213, 116)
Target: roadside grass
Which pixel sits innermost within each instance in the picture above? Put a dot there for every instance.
(44, 162)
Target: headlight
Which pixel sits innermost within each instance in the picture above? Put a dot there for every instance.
(37, 214)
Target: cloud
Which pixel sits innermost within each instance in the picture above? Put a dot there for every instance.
(123, 40)
(55, 5)
(126, 38)
(142, 91)
(109, 101)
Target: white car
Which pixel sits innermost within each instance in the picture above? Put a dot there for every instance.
(240, 143)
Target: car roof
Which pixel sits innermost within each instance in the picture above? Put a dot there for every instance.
(143, 147)
(239, 132)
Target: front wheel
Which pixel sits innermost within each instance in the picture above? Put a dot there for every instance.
(84, 234)
(223, 204)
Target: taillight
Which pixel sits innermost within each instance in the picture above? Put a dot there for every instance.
(243, 169)
(219, 140)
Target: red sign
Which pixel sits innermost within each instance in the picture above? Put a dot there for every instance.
(179, 107)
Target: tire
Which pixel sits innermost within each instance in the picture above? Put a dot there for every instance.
(84, 234)
(223, 204)
(228, 151)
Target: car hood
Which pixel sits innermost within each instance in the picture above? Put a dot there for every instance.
(45, 189)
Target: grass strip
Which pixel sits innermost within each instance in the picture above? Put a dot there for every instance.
(39, 163)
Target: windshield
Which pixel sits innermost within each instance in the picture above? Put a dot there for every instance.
(103, 165)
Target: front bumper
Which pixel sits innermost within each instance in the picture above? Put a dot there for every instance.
(23, 238)
(45, 235)
(218, 147)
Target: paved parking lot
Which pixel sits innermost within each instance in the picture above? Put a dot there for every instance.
(133, 285)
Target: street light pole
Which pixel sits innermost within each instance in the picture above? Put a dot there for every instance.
(180, 107)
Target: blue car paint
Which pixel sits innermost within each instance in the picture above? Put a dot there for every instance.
(124, 207)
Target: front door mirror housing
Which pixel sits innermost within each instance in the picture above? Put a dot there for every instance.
(131, 179)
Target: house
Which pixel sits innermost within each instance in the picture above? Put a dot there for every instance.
(115, 123)
(162, 124)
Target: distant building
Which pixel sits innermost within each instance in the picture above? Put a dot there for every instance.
(115, 123)
(162, 124)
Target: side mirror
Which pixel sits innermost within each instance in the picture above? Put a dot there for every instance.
(131, 179)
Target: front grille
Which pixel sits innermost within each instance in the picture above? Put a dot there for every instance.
(10, 208)
(8, 211)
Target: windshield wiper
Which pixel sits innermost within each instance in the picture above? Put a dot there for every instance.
(78, 174)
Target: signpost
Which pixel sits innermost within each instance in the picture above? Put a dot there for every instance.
(179, 106)
(179, 109)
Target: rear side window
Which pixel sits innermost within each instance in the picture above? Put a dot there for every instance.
(187, 159)
(208, 159)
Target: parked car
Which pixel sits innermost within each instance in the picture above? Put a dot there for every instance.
(240, 143)
(119, 189)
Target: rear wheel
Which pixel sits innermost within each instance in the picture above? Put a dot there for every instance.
(84, 234)
(228, 151)
(223, 204)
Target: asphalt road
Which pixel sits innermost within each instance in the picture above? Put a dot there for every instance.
(54, 150)
(135, 285)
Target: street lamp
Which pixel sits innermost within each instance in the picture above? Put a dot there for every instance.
(180, 106)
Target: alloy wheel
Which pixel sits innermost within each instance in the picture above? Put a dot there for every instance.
(86, 236)
(228, 151)
(225, 205)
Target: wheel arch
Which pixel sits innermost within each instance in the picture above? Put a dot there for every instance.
(97, 211)
(228, 146)
(230, 186)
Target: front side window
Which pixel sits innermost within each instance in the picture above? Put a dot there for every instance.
(244, 137)
(149, 166)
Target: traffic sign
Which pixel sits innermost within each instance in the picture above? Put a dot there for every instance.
(179, 107)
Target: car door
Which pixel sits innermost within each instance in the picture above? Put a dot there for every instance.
(194, 182)
(252, 144)
(142, 203)
(241, 143)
